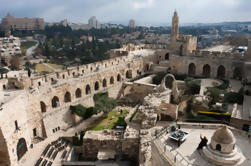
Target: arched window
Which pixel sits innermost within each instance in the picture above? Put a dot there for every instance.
(191, 69)
(206, 71)
(118, 78)
(237, 73)
(104, 83)
(96, 86)
(67, 97)
(78, 93)
(21, 148)
(218, 147)
(87, 89)
(63, 76)
(42, 106)
(112, 80)
(167, 56)
(39, 83)
(129, 74)
(55, 102)
(221, 72)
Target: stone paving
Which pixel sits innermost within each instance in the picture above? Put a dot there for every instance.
(187, 153)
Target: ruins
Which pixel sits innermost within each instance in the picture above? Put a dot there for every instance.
(35, 109)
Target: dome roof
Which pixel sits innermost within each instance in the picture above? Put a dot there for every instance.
(223, 136)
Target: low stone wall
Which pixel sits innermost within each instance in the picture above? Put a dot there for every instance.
(238, 123)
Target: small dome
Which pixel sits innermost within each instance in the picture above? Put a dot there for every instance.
(223, 136)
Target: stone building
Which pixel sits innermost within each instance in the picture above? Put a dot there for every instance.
(10, 22)
(132, 23)
(93, 22)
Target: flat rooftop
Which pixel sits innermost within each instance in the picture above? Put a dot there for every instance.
(220, 48)
(187, 153)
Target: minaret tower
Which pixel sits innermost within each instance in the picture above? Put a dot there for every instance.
(175, 26)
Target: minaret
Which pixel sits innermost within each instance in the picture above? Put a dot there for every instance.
(175, 26)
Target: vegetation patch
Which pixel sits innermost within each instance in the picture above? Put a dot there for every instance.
(135, 114)
(157, 79)
(113, 119)
(193, 85)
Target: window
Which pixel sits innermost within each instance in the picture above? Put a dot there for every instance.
(16, 125)
(34, 132)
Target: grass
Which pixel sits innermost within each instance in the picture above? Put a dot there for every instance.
(27, 44)
(107, 122)
(42, 67)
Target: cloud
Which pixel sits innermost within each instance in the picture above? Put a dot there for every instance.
(145, 4)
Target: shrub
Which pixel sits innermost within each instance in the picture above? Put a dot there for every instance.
(193, 85)
(103, 102)
(214, 93)
(157, 79)
(180, 76)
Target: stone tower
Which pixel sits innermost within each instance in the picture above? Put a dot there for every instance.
(175, 26)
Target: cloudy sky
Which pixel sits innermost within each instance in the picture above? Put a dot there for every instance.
(143, 11)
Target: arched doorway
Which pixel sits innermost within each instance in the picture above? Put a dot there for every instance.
(42, 106)
(118, 78)
(129, 74)
(206, 71)
(218, 147)
(55, 102)
(111, 80)
(96, 86)
(78, 93)
(87, 89)
(4, 154)
(169, 81)
(67, 97)
(21, 148)
(181, 50)
(167, 56)
(221, 72)
(237, 73)
(191, 69)
(104, 83)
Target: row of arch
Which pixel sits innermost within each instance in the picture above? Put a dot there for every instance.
(78, 93)
(221, 71)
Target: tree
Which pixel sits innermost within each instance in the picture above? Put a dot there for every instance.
(15, 63)
(3, 71)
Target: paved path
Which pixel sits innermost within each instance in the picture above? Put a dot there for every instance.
(30, 50)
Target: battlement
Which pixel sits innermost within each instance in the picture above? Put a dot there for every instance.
(211, 54)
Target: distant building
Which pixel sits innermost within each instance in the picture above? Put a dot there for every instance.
(93, 22)
(10, 22)
(132, 23)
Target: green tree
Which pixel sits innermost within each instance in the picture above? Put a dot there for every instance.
(3, 71)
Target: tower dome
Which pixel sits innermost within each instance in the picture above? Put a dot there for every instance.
(223, 136)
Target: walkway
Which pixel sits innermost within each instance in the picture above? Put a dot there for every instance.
(30, 50)
(32, 155)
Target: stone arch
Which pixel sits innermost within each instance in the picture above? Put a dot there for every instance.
(218, 147)
(104, 84)
(129, 74)
(67, 97)
(167, 56)
(87, 89)
(42, 106)
(21, 148)
(39, 83)
(78, 93)
(55, 102)
(112, 80)
(237, 73)
(96, 85)
(118, 77)
(169, 81)
(191, 69)
(221, 72)
(63, 76)
(4, 154)
(206, 70)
